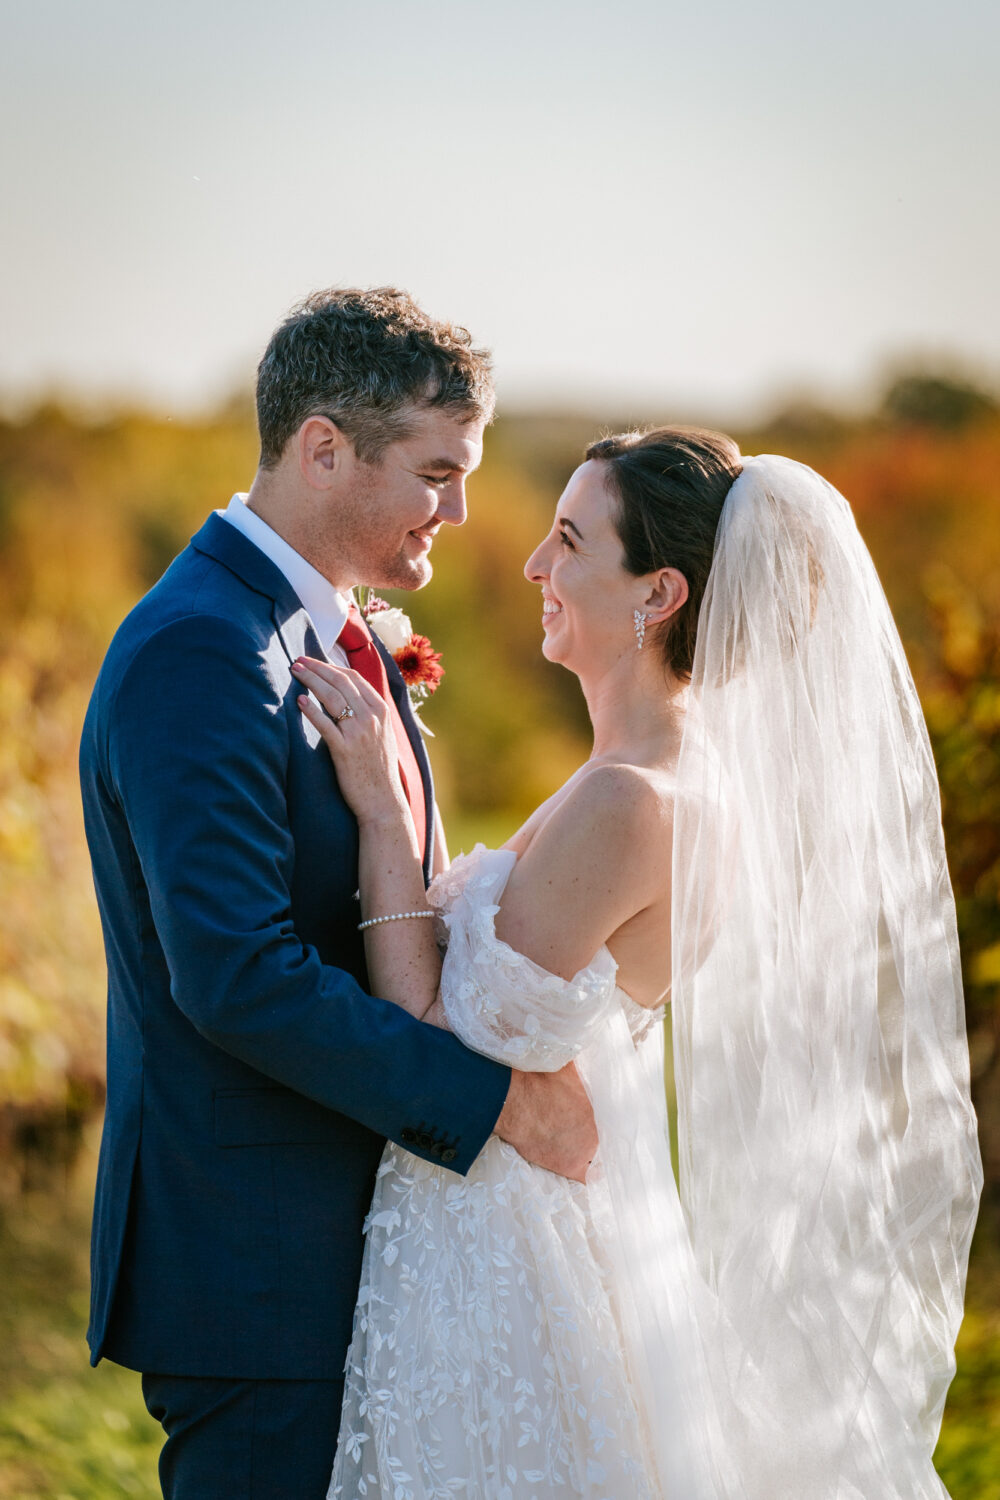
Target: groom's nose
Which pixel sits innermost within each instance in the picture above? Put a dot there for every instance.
(451, 506)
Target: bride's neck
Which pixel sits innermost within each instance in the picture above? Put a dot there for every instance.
(637, 716)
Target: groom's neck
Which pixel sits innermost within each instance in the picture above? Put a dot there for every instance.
(298, 520)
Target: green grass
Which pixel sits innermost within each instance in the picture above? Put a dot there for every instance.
(968, 1454)
(68, 1432)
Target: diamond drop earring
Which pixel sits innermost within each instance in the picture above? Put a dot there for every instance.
(640, 626)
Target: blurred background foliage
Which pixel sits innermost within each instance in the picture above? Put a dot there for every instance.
(92, 511)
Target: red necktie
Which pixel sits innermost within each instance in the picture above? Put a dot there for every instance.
(363, 657)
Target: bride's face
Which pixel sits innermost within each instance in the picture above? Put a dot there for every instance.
(588, 596)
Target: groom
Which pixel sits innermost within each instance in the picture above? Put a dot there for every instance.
(252, 1080)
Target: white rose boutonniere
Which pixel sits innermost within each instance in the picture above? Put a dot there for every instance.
(392, 627)
(413, 654)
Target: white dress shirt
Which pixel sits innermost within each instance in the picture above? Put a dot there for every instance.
(325, 606)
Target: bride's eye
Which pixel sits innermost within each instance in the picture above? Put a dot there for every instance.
(438, 483)
(564, 538)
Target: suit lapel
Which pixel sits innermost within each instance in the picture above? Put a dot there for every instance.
(401, 698)
(219, 540)
(298, 635)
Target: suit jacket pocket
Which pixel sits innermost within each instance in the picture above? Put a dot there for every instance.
(278, 1117)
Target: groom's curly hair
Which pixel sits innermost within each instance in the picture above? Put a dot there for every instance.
(366, 358)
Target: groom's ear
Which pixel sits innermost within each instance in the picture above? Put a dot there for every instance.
(668, 592)
(322, 446)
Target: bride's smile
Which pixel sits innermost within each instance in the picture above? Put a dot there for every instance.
(589, 598)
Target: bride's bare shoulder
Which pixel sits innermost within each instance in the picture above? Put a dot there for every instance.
(607, 808)
(630, 791)
(601, 857)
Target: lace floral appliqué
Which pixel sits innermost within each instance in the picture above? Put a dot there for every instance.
(487, 1358)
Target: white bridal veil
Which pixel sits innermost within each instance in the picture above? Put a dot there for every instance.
(829, 1166)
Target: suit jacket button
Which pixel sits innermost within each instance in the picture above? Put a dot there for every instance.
(408, 1136)
(449, 1153)
(436, 1148)
(425, 1140)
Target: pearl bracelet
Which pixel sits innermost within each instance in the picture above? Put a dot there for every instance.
(397, 916)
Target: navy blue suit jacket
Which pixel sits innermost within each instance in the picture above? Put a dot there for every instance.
(252, 1081)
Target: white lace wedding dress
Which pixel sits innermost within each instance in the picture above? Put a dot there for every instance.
(518, 1336)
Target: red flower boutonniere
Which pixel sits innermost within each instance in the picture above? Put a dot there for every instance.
(413, 654)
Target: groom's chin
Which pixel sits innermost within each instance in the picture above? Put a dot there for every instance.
(418, 576)
(408, 574)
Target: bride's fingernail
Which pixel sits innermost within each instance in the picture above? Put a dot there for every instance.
(303, 701)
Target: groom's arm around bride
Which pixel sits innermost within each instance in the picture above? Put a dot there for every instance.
(252, 1079)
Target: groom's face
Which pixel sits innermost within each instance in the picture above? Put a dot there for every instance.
(390, 512)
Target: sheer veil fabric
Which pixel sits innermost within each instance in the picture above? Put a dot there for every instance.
(830, 1171)
(783, 1329)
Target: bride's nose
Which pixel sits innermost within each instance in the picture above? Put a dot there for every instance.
(536, 568)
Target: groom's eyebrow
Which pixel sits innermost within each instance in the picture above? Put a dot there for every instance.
(453, 465)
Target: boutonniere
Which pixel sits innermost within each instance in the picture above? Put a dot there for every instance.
(413, 654)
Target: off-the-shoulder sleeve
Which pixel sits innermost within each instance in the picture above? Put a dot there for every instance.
(499, 1002)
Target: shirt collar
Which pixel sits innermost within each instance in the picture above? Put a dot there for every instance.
(325, 605)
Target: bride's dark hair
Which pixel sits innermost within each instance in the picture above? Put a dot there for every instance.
(671, 484)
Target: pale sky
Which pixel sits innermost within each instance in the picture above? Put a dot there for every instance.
(705, 207)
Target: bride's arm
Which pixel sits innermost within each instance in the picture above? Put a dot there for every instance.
(402, 956)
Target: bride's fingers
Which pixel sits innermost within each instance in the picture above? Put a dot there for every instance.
(351, 717)
(329, 671)
(333, 694)
(321, 676)
(334, 706)
(327, 727)
(326, 673)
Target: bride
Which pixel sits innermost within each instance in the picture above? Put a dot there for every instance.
(756, 838)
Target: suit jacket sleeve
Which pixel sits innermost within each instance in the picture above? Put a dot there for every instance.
(196, 753)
